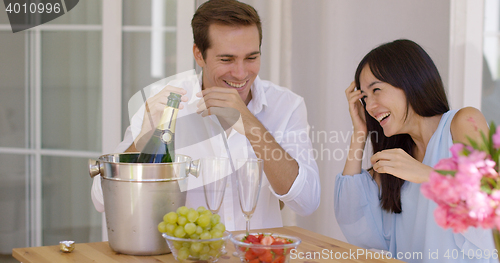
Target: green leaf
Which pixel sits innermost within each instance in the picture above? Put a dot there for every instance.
(445, 172)
(487, 144)
(473, 143)
(488, 184)
(486, 189)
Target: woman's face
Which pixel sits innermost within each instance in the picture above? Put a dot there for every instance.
(385, 103)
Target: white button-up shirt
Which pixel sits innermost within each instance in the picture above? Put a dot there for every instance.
(282, 112)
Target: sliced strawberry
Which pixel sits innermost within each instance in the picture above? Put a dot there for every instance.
(255, 260)
(279, 259)
(278, 251)
(249, 255)
(258, 251)
(252, 239)
(281, 239)
(261, 236)
(242, 248)
(266, 257)
(267, 240)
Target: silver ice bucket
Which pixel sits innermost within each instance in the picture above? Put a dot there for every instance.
(137, 196)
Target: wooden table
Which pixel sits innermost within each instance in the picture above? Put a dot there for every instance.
(327, 250)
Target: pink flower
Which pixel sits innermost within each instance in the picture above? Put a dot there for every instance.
(467, 192)
(495, 195)
(442, 189)
(447, 164)
(456, 149)
(496, 139)
(480, 206)
(497, 218)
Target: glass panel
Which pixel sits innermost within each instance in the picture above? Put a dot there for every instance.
(137, 65)
(4, 19)
(13, 202)
(490, 101)
(71, 90)
(138, 13)
(12, 89)
(85, 12)
(68, 212)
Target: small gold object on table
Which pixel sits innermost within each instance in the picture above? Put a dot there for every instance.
(66, 246)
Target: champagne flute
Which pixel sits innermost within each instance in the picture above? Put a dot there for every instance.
(249, 179)
(214, 172)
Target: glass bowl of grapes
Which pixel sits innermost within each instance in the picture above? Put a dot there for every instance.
(194, 235)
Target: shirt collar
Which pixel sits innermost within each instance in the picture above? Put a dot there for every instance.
(259, 100)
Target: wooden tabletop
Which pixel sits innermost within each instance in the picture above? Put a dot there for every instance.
(314, 248)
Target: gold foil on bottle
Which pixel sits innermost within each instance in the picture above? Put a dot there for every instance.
(67, 246)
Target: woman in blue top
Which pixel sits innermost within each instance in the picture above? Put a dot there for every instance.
(398, 100)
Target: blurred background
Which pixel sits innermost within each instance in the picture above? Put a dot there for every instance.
(65, 85)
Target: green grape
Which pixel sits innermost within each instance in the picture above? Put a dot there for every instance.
(183, 253)
(208, 228)
(216, 244)
(207, 212)
(215, 219)
(194, 254)
(216, 233)
(181, 220)
(182, 210)
(200, 209)
(196, 247)
(205, 249)
(194, 236)
(192, 216)
(190, 228)
(186, 244)
(199, 230)
(170, 217)
(171, 228)
(203, 220)
(214, 253)
(162, 227)
(204, 257)
(177, 244)
(220, 227)
(179, 232)
(205, 235)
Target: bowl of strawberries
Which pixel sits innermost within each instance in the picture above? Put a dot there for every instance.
(264, 247)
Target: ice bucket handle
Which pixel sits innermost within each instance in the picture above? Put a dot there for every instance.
(94, 168)
(194, 168)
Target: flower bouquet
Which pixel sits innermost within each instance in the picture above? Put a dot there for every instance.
(466, 187)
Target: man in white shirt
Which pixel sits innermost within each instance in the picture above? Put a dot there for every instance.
(272, 120)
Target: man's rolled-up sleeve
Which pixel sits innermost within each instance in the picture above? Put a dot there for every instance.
(304, 195)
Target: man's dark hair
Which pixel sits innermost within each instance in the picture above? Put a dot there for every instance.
(223, 12)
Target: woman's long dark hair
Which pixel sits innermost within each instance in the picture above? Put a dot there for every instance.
(404, 65)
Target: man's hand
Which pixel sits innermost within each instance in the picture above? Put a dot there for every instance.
(154, 107)
(227, 105)
(400, 164)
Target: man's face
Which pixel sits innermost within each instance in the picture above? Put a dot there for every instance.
(233, 59)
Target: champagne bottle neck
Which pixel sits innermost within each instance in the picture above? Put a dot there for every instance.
(167, 121)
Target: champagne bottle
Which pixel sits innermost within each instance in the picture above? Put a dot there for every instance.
(160, 147)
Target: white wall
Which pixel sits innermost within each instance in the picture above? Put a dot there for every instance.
(330, 37)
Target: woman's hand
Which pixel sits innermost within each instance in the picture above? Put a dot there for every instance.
(356, 109)
(400, 164)
(359, 135)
